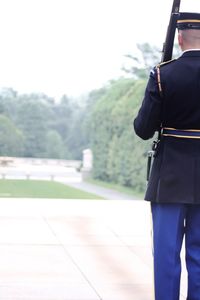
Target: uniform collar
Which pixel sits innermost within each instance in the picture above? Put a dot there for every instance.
(191, 52)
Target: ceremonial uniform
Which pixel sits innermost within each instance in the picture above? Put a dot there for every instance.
(175, 175)
(171, 105)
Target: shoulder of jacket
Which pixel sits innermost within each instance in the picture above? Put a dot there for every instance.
(166, 63)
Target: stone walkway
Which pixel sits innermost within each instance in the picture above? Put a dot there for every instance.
(106, 193)
(75, 250)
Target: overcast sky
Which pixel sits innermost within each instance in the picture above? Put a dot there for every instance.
(73, 46)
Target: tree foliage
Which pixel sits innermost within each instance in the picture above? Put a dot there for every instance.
(139, 65)
(44, 125)
(119, 156)
(11, 138)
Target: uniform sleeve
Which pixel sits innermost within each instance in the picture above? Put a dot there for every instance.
(148, 119)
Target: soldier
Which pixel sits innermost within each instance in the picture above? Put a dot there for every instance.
(171, 105)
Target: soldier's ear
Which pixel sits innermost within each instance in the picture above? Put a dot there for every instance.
(180, 39)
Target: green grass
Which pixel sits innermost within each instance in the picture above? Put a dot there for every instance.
(117, 187)
(41, 189)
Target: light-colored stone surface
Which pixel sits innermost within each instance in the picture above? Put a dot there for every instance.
(76, 250)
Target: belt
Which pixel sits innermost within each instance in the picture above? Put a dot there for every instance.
(181, 133)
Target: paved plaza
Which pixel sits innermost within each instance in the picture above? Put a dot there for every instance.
(75, 250)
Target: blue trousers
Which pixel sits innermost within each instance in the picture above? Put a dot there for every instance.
(170, 223)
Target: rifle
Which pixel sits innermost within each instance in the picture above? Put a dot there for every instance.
(166, 55)
(169, 40)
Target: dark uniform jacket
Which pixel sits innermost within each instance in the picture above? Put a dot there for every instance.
(175, 175)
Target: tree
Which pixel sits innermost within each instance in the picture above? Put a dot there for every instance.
(63, 112)
(119, 155)
(54, 146)
(32, 121)
(140, 64)
(11, 138)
